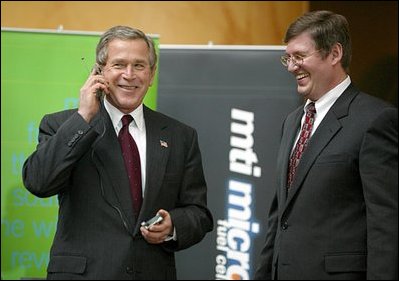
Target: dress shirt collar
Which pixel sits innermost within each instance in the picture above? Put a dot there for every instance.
(324, 103)
(116, 115)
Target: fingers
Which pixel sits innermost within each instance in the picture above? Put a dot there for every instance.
(99, 85)
(151, 236)
(96, 70)
(157, 233)
(163, 213)
(94, 83)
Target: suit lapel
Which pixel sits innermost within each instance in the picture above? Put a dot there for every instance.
(109, 162)
(291, 128)
(158, 146)
(326, 131)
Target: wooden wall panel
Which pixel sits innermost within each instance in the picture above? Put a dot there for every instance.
(177, 22)
(374, 30)
(374, 26)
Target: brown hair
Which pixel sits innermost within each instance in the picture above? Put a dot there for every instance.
(326, 29)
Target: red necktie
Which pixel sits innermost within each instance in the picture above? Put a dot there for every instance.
(302, 142)
(131, 158)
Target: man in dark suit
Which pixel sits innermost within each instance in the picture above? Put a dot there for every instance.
(335, 212)
(79, 158)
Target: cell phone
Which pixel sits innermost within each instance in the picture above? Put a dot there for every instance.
(97, 69)
(157, 219)
(99, 93)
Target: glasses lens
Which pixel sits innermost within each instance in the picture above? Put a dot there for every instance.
(284, 60)
(295, 60)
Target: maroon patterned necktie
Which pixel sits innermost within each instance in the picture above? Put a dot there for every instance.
(131, 158)
(302, 142)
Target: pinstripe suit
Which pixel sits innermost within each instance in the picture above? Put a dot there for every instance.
(97, 236)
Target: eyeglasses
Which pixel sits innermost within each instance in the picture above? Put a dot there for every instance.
(297, 60)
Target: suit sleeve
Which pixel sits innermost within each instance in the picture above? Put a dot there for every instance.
(378, 162)
(63, 139)
(265, 261)
(191, 218)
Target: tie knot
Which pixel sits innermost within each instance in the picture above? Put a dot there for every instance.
(126, 119)
(310, 108)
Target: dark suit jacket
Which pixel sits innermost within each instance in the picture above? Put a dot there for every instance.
(339, 220)
(97, 235)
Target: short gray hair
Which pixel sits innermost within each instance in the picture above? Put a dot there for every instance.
(124, 33)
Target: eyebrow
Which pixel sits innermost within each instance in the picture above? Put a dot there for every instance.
(118, 60)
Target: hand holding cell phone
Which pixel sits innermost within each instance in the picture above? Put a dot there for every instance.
(91, 93)
(98, 71)
(158, 229)
(154, 220)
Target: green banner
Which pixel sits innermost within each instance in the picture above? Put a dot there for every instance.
(41, 72)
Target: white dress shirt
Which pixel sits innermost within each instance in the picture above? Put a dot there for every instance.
(324, 104)
(136, 129)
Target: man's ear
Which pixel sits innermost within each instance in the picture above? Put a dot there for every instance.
(336, 53)
(153, 71)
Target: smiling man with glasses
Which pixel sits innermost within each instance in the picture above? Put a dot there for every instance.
(335, 211)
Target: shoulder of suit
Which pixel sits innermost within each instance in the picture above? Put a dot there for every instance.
(371, 102)
(58, 117)
(66, 112)
(167, 120)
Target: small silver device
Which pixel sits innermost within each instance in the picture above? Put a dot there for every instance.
(157, 219)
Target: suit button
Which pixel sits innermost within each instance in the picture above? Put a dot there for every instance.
(129, 270)
(284, 226)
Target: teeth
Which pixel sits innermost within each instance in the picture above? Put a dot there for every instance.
(300, 76)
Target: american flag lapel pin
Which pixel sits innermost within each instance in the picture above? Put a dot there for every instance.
(163, 143)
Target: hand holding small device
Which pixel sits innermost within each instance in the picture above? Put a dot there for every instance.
(156, 219)
(97, 71)
(91, 93)
(158, 229)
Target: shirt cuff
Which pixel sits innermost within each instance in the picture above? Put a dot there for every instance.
(172, 237)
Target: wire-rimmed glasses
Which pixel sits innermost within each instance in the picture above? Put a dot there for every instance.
(297, 60)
